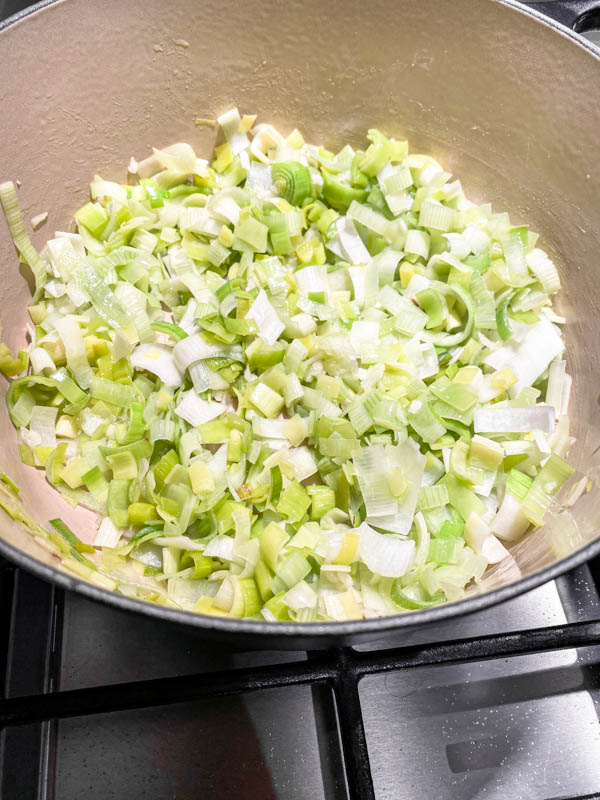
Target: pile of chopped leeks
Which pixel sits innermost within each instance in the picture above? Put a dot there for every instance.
(295, 385)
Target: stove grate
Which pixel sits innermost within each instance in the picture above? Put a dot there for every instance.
(341, 669)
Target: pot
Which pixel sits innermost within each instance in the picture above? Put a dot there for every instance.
(503, 97)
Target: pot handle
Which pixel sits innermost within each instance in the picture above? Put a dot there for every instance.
(571, 13)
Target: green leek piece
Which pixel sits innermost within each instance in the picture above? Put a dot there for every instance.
(433, 497)
(272, 540)
(141, 513)
(340, 196)
(96, 484)
(518, 483)
(202, 565)
(214, 432)
(93, 216)
(265, 400)
(139, 449)
(253, 233)
(12, 486)
(377, 154)
(174, 331)
(72, 474)
(14, 218)
(264, 577)
(164, 466)
(27, 386)
(266, 357)
(453, 394)
(502, 320)
(444, 550)
(276, 484)
(413, 597)
(110, 392)
(322, 501)
(118, 502)
(248, 599)
(276, 608)
(201, 477)
(294, 502)
(546, 484)
(135, 430)
(12, 366)
(123, 465)
(450, 530)
(70, 537)
(293, 568)
(103, 298)
(154, 193)
(292, 181)
(426, 423)
(461, 498)
(433, 305)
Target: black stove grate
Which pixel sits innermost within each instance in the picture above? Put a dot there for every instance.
(32, 677)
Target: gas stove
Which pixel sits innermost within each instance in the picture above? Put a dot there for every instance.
(104, 705)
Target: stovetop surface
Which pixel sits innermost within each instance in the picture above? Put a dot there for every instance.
(516, 728)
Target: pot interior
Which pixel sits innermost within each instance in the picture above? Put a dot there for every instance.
(503, 102)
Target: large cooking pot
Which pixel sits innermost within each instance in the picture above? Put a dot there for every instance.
(504, 98)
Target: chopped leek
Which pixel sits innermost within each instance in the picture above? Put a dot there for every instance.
(292, 181)
(293, 384)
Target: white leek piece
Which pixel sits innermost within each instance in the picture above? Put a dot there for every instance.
(494, 419)
(159, 360)
(196, 411)
(530, 357)
(385, 554)
(268, 323)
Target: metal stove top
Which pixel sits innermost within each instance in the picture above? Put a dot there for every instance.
(102, 705)
(521, 728)
(467, 709)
